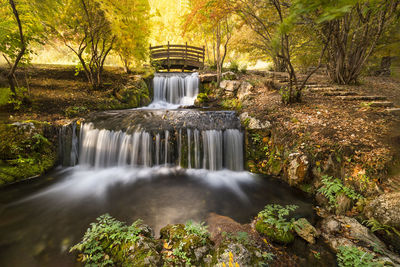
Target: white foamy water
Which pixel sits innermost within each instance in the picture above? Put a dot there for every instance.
(81, 181)
(172, 90)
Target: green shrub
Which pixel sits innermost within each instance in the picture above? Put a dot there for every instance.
(75, 111)
(5, 94)
(109, 242)
(351, 256)
(273, 222)
(198, 229)
(333, 187)
(231, 104)
(186, 244)
(375, 226)
(202, 98)
(234, 66)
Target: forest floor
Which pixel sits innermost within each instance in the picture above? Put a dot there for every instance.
(323, 121)
(56, 92)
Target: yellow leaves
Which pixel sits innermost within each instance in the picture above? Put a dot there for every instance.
(347, 226)
(167, 246)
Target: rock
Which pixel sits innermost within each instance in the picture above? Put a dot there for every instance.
(297, 169)
(385, 209)
(229, 75)
(229, 85)
(253, 123)
(332, 226)
(345, 231)
(343, 204)
(241, 255)
(208, 77)
(244, 91)
(305, 230)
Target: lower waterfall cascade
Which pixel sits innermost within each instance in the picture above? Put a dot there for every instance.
(189, 148)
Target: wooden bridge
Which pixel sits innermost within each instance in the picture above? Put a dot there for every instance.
(177, 57)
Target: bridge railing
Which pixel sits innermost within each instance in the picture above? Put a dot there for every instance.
(173, 56)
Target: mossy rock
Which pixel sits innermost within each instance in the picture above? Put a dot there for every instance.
(184, 248)
(276, 235)
(25, 151)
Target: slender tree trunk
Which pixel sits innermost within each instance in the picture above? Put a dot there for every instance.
(219, 69)
(11, 73)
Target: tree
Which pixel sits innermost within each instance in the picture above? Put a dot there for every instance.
(19, 28)
(84, 28)
(214, 17)
(351, 31)
(273, 22)
(130, 22)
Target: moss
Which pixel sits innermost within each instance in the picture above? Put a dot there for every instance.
(25, 151)
(75, 111)
(202, 98)
(183, 247)
(274, 234)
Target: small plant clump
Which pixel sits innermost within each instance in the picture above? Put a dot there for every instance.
(334, 187)
(231, 104)
(351, 256)
(273, 222)
(186, 244)
(109, 242)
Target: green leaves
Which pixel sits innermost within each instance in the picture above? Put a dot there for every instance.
(104, 237)
(351, 256)
(333, 187)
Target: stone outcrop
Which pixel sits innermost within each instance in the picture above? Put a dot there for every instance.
(345, 231)
(244, 91)
(253, 123)
(298, 168)
(385, 209)
(305, 230)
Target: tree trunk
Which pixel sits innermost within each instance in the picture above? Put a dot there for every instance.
(219, 69)
(11, 73)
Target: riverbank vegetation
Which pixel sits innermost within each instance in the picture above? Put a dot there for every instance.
(315, 83)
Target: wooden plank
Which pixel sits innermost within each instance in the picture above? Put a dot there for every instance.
(176, 50)
(176, 46)
(177, 55)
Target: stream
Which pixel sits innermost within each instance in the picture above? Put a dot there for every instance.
(160, 163)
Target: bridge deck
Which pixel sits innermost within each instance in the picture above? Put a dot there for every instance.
(181, 57)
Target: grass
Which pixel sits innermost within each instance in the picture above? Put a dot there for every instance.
(4, 95)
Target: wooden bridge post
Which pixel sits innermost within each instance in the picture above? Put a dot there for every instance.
(169, 65)
(203, 55)
(185, 60)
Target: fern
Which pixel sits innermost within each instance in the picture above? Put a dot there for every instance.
(333, 187)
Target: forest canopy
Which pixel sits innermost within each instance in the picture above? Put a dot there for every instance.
(294, 36)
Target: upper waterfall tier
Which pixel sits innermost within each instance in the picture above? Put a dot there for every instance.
(171, 90)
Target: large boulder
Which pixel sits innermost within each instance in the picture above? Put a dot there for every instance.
(253, 123)
(229, 87)
(229, 75)
(208, 77)
(305, 230)
(385, 209)
(298, 168)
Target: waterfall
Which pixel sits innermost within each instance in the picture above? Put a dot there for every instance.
(217, 149)
(174, 90)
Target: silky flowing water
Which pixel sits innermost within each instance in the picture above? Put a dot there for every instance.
(161, 164)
